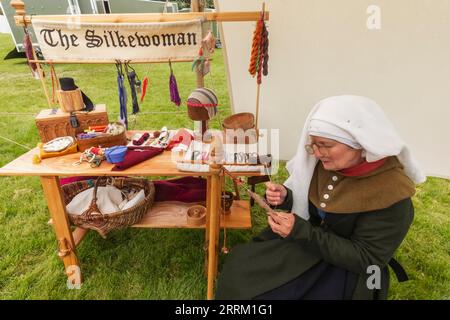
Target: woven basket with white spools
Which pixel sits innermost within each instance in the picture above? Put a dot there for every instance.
(104, 223)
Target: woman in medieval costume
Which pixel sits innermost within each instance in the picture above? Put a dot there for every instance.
(349, 202)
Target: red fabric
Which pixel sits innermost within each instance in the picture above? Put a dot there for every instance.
(68, 180)
(142, 139)
(186, 189)
(362, 168)
(144, 88)
(136, 156)
(182, 136)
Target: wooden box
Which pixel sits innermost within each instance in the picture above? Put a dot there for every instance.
(51, 126)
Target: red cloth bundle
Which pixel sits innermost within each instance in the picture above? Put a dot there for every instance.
(136, 156)
(186, 189)
(182, 136)
(142, 139)
(68, 180)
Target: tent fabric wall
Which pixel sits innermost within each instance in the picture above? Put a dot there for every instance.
(320, 48)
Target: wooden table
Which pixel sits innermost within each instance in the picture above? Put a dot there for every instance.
(161, 215)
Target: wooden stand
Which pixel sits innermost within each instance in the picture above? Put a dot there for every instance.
(162, 215)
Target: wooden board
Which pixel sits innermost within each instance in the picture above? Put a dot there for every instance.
(172, 214)
(161, 165)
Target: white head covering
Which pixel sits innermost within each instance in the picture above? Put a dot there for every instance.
(328, 130)
(356, 121)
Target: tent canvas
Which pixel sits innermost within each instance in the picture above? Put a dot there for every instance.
(320, 48)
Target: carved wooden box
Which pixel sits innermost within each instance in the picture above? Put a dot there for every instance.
(59, 124)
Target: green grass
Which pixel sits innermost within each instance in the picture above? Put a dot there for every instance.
(154, 263)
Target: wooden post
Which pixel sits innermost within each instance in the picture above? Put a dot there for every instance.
(196, 6)
(207, 224)
(213, 247)
(61, 225)
(19, 6)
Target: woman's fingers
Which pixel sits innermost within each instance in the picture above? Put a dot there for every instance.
(274, 200)
(272, 186)
(274, 226)
(281, 223)
(275, 217)
(274, 193)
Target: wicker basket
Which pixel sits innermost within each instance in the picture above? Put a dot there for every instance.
(103, 223)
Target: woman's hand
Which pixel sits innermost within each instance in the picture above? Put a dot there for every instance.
(281, 223)
(275, 193)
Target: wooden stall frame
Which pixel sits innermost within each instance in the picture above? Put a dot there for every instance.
(68, 240)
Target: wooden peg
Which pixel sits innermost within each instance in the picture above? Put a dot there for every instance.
(20, 17)
(19, 6)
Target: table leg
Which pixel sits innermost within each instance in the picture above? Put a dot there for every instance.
(213, 218)
(208, 213)
(61, 225)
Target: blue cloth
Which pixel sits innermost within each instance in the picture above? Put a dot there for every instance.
(321, 213)
(122, 100)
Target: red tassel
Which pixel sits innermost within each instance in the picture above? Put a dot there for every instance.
(144, 88)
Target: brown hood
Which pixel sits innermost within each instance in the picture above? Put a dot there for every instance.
(333, 192)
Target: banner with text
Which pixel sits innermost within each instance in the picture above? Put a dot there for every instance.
(152, 42)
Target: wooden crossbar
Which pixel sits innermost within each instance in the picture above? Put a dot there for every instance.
(145, 17)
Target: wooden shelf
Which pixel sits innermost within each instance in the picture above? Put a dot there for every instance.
(172, 214)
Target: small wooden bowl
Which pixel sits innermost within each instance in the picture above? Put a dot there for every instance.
(196, 215)
(244, 120)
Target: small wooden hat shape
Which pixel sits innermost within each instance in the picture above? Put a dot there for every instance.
(202, 104)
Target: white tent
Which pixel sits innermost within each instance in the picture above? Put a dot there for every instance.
(320, 48)
(4, 27)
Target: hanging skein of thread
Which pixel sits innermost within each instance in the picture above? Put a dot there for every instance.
(122, 95)
(260, 50)
(256, 46)
(131, 75)
(28, 46)
(265, 51)
(174, 95)
(262, 53)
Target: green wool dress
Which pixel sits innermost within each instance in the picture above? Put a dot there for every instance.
(369, 217)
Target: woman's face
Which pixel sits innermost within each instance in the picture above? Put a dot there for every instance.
(335, 155)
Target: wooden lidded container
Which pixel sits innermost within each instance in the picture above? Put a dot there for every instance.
(71, 100)
(196, 215)
(53, 125)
